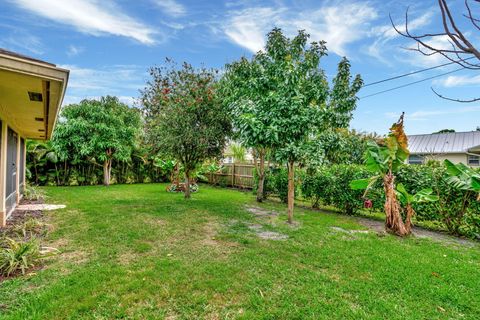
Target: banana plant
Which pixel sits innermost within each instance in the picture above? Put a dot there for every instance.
(463, 177)
(383, 161)
(408, 200)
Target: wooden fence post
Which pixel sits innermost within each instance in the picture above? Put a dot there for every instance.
(233, 175)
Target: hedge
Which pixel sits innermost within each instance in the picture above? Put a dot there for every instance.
(457, 211)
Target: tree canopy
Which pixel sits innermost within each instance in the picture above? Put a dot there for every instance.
(281, 97)
(102, 130)
(185, 118)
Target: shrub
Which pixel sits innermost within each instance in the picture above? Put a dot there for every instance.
(33, 193)
(18, 256)
(30, 227)
(457, 210)
(330, 185)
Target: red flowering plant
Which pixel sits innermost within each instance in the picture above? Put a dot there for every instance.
(184, 116)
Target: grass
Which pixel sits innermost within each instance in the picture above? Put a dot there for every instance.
(137, 252)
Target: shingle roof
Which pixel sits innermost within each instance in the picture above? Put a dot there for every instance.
(21, 56)
(455, 142)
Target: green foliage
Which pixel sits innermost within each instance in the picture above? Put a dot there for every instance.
(184, 116)
(424, 195)
(425, 187)
(33, 193)
(152, 240)
(141, 166)
(239, 152)
(336, 146)
(463, 177)
(18, 256)
(102, 129)
(330, 185)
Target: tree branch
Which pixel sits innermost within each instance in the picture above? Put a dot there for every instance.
(454, 99)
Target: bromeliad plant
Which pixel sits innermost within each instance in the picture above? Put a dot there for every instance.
(384, 161)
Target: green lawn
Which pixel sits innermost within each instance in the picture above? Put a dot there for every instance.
(138, 252)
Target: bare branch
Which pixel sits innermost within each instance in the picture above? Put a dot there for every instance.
(454, 99)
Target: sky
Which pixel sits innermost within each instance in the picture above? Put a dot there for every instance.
(109, 45)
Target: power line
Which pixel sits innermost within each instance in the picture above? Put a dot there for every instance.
(413, 72)
(412, 83)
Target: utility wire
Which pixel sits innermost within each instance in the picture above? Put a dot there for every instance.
(414, 72)
(412, 83)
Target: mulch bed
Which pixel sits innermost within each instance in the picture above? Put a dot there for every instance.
(19, 217)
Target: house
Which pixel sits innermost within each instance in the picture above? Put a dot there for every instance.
(458, 147)
(31, 93)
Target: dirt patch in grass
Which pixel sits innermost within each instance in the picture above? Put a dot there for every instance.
(260, 212)
(258, 229)
(379, 227)
(338, 229)
(210, 231)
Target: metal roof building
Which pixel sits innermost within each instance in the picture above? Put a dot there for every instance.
(454, 142)
(456, 146)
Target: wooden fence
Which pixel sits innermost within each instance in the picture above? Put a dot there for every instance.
(234, 175)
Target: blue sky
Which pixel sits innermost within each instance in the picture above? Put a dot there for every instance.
(109, 45)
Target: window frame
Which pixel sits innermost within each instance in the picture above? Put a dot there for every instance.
(476, 161)
(421, 159)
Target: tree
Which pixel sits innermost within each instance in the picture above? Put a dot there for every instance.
(239, 152)
(384, 161)
(103, 130)
(245, 89)
(445, 131)
(461, 49)
(185, 117)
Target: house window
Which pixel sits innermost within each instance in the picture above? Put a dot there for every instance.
(473, 160)
(415, 159)
(228, 159)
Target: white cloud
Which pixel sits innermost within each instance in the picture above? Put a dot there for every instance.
(21, 40)
(171, 7)
(74, 50)
(388, 43)
(332, 23)
(458, 81)
(247, 28)
(117, 80)
(93, 17)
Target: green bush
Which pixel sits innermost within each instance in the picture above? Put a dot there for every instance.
(18, 256)
(457, 210)
(330, 185)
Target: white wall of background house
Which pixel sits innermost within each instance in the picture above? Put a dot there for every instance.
(458, 147)
(31, 93)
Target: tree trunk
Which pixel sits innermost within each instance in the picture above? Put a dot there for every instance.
(408, 221)
(106, 172)
(393, 218)
(291, 190)
(261, 175)
(187, 184)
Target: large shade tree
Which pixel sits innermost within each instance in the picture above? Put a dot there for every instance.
(245, 89)
(281, 97)
(101, 130)
(184, 116)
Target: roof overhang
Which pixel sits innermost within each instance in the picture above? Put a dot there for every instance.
(475, 149)
(31, 94)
